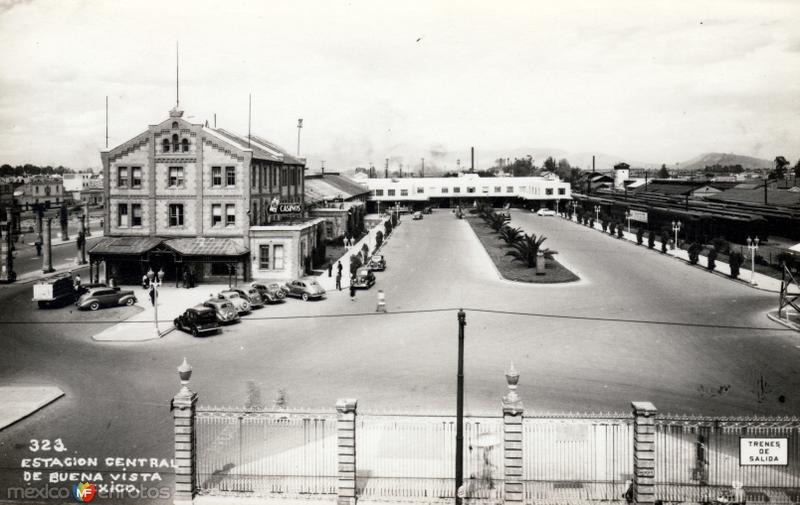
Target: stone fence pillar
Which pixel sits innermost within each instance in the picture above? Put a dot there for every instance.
(644, 453)
(513, 410)
(346, 450)
(183, 414)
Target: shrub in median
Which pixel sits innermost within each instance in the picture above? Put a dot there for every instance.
(619, 232)
(712, 259)
(664, 241)
(378, 240)
(604, 224)
(639, 236)
(735, 259)
(651, 239)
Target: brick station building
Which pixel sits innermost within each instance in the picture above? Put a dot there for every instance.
(183, 197)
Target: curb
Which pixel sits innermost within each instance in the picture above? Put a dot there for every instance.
(783, 322)
(160, 335)
(31, 277)
(686, 262)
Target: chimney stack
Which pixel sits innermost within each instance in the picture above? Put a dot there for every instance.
(472, 159)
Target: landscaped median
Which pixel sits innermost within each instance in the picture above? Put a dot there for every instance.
(515, 269)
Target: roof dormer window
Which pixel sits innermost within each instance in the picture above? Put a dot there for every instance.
(174, 125)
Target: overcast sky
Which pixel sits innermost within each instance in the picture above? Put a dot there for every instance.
(651, 81)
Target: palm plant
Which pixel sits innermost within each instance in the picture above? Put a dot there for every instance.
(511, 235)
(526, 249)
(497, 221)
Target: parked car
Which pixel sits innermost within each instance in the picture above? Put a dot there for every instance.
(417, 216)
(270, 293)
(364, 278)
(223, 309)
(252, 295)
(377, 262)
(197, 320)
(305, 288)
(545, 212)
(427, 210)
(105, 297)
(240, 303)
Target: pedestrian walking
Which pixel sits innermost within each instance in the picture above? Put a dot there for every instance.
(339, 281)
(381, 301)
(628, 496)
(352, 289)
(339, 268)
(330, 269)
(38, 245)
(185, 278)
(145, 282)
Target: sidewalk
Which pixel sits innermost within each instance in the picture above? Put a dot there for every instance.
(762, 282)
(18, 402)
(172, 302)
(329, 283)
(56, 238)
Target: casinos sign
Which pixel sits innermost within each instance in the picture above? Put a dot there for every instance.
(276, 207)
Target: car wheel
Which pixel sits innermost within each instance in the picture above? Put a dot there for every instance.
(305, 297)
(176, 324)
(94, 306)
(195, 333)
(129, 302)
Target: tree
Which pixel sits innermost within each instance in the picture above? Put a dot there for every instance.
(387, 225)
(527, 249)
(780, 168)
(639, 236)
(378, 240)
(694, 252)
(663, 173)
(712, 259)
(511, 235)
(497, 221)
(735, 260)
(550, 164)
(797, 169)
(355, 263)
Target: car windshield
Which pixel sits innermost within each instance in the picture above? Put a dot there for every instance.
(232, 295)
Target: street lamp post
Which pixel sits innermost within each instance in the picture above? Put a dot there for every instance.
(155, 283)
(676, 226)
(462, 322)
(628, 217)
(752, 246)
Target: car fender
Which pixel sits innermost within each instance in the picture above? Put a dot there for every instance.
(125, 298)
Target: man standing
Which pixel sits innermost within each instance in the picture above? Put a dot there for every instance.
(352, 289)
(330, 269)
(339, 268)
(339, 281)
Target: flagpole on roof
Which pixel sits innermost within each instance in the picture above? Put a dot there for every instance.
(249, 116)
(177, 77)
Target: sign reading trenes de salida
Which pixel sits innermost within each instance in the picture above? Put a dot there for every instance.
(763, 451)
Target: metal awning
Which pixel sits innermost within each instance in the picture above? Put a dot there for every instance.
(206, 247)
(125, 246)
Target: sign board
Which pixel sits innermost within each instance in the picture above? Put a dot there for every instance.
(276, 207)
(638, 215)
(763, 451)
(646, 472)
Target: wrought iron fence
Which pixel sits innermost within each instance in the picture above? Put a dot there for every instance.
(263, 453)
(577, 457)
(698, 459)
(414, 457)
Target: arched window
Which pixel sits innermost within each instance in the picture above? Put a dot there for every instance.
(175, 142)
(175, 125)
(185, 145)
(165, 143)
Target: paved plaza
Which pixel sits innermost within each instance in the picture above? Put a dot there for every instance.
(637, 326)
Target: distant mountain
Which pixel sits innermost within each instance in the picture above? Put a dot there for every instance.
(710, 159)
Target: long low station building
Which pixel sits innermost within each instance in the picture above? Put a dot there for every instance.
(465, 190)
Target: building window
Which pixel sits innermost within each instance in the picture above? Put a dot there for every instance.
(484, 189)
(456, 190)
(47, 190)
(263, 257)
(136, 177)
(216, 214)
(174, 125)
(562, 191)
(122, 215)
(122, 177)
(36, 190)
(403, 192)
(378, 192)
(136, 214)
(165, 145)
(420, 190)
(497, 189)
(470, 189)
(230, 215)
(390, 192)
(185, 145)
(277, 255)
(445, 190)
(175, 177)
(253, 174)
(230, 176)
(176, 214)
(509, 189)
(175, 142)
(216, 177)
(548, 191)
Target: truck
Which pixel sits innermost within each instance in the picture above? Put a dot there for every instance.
(54, 291)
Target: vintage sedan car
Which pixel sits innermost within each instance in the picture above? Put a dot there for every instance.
(417, 216)
(545, 212)
(364, 278)
(96, 298)
(427, 210)
(377, 262)
(223, 309)
(252, 295)
(305, 288)
(198, 320)
(240, 303)
(270, 293)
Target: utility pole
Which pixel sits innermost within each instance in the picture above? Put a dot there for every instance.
(299, 126)
(472, 158)
(106, 121)
(422, 171)
(462, 322)
(249, 118)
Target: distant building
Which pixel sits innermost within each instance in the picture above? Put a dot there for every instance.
(39, 190)
(76, 182)
(340, 201)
